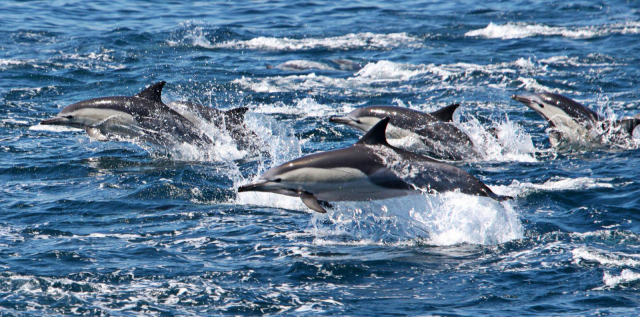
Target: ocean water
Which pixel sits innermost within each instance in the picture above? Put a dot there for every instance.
(118, 229)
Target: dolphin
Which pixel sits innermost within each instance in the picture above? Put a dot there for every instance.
(230, 120)
(371, 169)
(572, 123)
(143, 116)
(439, 137)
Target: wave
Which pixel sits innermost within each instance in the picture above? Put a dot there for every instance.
(440, 219)
(518, 30)
(303, 65)
(305, 107)
(626, 277)
(53, 128)
(613, 259)
(376, 78)
(507, 141)
(8, 63)
(366, 41)
(102, 60)
(517, 188)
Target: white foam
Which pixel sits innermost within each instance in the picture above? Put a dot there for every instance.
(306, 107)
(519, 30)
(14, 121)
(517, 188)
(386, 70)
(615, 259)
(7, 63)
(365, 40)
(53, 128)
(626, 276)
(302, 65)
(372, 78)
(532, 84)
(510, 143)
(283, 146)
(592, 60)
(441, 219)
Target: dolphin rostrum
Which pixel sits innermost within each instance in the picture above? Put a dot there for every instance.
(573, 124)
(439, 137)
(371, 169)
(143, 116)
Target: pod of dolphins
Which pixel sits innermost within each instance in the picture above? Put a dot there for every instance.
(371, 169)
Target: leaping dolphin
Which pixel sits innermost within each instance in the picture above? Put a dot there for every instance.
(439, 137)
(143, 116)
(572, 123)
(371, 169)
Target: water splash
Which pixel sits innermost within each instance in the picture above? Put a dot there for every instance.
(440, 219)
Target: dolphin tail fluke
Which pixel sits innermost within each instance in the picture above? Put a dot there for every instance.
(446, 114)
(312, 202)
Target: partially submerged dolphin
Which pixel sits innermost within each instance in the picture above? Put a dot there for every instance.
(439, 137)
(573, 124)
(371, 169)
(230, 120)
(143, 117)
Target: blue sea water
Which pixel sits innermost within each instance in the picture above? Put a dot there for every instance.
(92, 228)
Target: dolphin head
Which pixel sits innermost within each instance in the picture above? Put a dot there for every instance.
(362, 118)
(557, 109)
(91, 112)
(290, 178)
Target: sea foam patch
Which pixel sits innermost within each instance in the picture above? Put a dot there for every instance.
(440, 219)
(517, 188)
(366, 40)
(517, 30)
(390, 77)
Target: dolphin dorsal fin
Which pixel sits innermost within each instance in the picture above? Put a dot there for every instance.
(235, 116)
(376, 135)
(446, 114)
(153, 92)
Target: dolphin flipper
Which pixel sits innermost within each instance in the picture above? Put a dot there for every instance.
(96, 134)
(312, 202)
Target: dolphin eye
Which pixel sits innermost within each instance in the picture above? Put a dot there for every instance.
(68, 117)
(541, 105)
(277, 180)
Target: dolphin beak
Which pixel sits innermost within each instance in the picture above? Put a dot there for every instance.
(339, 119)
(523, 99)
(252, 187)
(54, 121)
(344, 120)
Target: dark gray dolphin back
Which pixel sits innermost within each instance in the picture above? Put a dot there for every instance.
(571, 107)
(432, 174)
(144, 104)
(400, 117)
(446, 141)
(441, 138)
